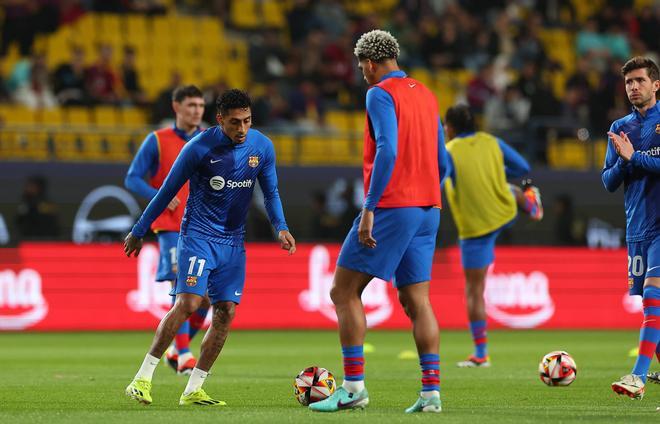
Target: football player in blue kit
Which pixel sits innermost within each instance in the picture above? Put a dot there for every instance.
(633, 158)
(223, 164)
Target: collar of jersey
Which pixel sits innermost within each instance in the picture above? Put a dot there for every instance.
(393, 74)
(652, 112)
(466, 134)
(182, 134)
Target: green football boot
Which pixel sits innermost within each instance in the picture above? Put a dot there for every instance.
(432, 404)
(199, 397)
(342, 399)
(140, 390)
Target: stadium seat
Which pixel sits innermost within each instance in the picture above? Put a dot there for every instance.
(77, 115)
(65, 146)
(118, 147)
(105, 115)
(132, 116)
(243, 14)
(50, 116)
(273, 13)
(17, 115)
(285, 148)
(92, 146)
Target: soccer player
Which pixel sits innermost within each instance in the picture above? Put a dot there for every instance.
(154, 161)
(633, 158)
(482, 204)
(222, 164)
(394, 236)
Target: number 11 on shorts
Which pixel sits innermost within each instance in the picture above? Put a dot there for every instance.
(200, 269)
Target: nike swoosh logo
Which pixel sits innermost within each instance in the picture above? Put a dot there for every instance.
(412, 85)
(341, 404)
(651, 269)
(237, 293)
(214, 161)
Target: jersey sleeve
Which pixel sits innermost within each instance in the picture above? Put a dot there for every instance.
(380, 108)
(615, 168)
(443, 156)
(514, 164)
(184, 166)
(268, 183)
(144, 163)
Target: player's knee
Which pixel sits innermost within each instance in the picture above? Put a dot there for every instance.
(338, 295)
(223, 312)
(206, 303)
(187, 304)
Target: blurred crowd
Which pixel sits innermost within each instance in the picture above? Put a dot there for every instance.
(307, 68)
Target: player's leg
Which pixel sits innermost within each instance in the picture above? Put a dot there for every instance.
(140, 387)
(190, 289)
(356, 267)
(643, 262)
(528, 199)
(476, 256)
(225, 288)
(166, 272)
(412, 281)
(198, 317)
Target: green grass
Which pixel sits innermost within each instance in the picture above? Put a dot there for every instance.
(80, 377)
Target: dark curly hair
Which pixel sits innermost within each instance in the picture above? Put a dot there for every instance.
(233, 99)
(461, 119)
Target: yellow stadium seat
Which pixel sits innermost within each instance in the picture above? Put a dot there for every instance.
(118, 147)
(273, 14)
(76, 115)
(243, 14)
(132, 116)
(50, 116)
(339, 120)
(17, 115)
(66, 146)
(285, 148)
(92, 146)
(105, 115)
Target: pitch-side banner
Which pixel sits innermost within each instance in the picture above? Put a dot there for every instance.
(61, 286)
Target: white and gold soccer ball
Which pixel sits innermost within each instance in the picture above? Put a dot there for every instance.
(557, 369)
(313, 384)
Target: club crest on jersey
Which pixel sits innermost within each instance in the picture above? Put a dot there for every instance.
(631, 283)
(191, 281)
(253, 161)
(657, 128)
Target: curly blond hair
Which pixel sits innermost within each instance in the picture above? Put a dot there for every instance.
(377, 45)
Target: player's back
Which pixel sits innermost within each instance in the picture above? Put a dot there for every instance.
(222, 186)
(641, 188)
(415, 177)
(478, 193)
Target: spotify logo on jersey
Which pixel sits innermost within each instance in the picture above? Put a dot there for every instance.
(217, 182)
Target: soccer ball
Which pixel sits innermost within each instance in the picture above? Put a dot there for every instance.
(557, 369)
(313, 384)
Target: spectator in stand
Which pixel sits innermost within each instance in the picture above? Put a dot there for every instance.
(481, 88)
(36, 92)
(70, 11)
(130, 78)
(300, 21)
(331, 17)
(508, 113)
(307, 108)
(18, 25)
(649, 28)
(101, 80)
(69, 79)
(408, 38)
(338, 73)
(267, 56)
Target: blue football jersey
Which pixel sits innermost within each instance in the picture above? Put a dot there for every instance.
(640, 176)
(222, 178)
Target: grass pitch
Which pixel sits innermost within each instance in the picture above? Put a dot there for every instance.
(80, 377)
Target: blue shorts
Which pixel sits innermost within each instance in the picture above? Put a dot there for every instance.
(479, 252)
(167, 241)
(405, 243)
(643, 263)
(206, 266)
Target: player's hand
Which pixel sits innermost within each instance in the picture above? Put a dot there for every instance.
(365, 228)
(174, 203)
(132, 244)
(622, 144)
(287, 241)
